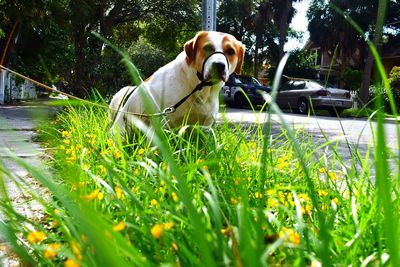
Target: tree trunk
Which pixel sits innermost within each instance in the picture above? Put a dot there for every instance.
(364, 90)
(256, 60)
(284, 26)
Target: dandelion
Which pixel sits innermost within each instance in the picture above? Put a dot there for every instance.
(174, 197)
(119, 192)
(51, 252)
(289, 235)
(157, 231)
(332, 176)
(153, 202)
(174, 247)
(141, 151)
(117, 154)
(67, 141)
(93, 195)
(322, 193)
(226, 231)
(234, 201)
(76, 249)
(119, 227)
(70, 263)
(102, 169)
(36, 237)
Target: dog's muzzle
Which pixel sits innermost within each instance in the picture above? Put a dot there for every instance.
(217, 69)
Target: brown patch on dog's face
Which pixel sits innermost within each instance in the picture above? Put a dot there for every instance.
(234, 52)
(191, 47)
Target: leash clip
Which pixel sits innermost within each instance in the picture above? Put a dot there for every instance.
(168, 110)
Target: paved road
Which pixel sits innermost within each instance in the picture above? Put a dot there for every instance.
(17, 129)
(358, 132)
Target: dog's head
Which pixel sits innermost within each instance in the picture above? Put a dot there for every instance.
(215, 55)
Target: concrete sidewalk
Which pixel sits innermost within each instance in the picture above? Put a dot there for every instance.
(18, 125)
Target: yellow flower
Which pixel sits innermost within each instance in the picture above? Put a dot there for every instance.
(54, 223)
(119, 192)
(257, 195)
(174, 197)
(76, 249)
(92, 195)
(289, 235)
(174, 247)
(332, 176)
(36, 237)
(227, 231)
(51, 252)
(119, 227)
(100, 196)
(234, 201)
(66, 134)
(322, 170)
(322, 193)
(157, 231)
(141, 151)
(153, 202)
(335, 200)
(67, 141)
(102, 169)
(273, 202)
(117, 154)
(70, 263)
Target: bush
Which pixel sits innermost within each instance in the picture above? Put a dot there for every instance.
(146, 57)
(352, 78)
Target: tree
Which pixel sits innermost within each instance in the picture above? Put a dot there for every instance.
(329, 29)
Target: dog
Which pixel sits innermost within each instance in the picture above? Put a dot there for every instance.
(184, 90)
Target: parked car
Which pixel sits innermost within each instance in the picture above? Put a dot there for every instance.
(300, 95)
(232, 91)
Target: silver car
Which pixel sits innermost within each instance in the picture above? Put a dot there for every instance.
(301, 95)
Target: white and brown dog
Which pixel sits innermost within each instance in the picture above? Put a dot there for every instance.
(187, 87)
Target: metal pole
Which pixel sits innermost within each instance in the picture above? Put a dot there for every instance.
(209, 8)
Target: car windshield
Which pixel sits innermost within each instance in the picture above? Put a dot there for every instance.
(315, 85)
(255, 81)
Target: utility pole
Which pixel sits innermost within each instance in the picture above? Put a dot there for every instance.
(209, 8)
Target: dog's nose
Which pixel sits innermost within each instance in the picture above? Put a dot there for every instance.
(219, 67)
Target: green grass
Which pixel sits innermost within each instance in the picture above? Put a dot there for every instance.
(233, 195)
(225, 196)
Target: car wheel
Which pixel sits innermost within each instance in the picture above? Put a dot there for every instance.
(302, 106)
(239, 100)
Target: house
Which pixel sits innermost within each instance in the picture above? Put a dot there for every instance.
(329, 66)
(390, 53)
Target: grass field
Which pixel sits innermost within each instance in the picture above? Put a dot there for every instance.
(233, 195)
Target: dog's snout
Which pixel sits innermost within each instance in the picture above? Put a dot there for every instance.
(220, 67)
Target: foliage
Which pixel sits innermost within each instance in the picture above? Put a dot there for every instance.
(146, 57)
(352, 78)
(300, 64)
(394, 78)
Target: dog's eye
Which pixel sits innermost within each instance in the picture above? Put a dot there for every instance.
(208, 48)
(230, 51)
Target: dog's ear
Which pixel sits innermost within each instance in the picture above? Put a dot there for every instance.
(240, 53)
(189, 50)
(190, 46)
